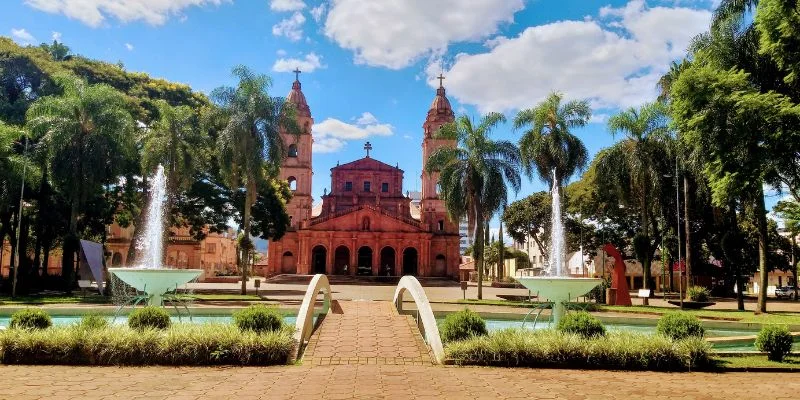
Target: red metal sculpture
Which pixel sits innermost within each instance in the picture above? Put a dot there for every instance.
(618, 280)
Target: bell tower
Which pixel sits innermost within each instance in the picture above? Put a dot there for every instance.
(296, 167)
(433, 212)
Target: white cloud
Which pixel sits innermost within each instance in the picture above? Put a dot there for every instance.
(317, 12)
(129, 46)
(286, 5)
(612, 67)
(22, 36)
(309, 63)
(95, 12)
(291, 27)
(598, 118)
(281, 52)
(394, 34)
(56, 36)
(332, 134)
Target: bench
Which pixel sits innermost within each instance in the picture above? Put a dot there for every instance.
(644, 294)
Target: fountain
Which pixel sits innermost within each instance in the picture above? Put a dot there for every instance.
(151, 277)
(554, 284)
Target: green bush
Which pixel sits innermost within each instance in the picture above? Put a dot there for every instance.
(462, 325)
(679, 325)
(93, 321)
(258, 318)
(698, 293)
(181, 344)
(581, 323)
(775, 340)
(149, 317)
(551, 348)
(30, 318)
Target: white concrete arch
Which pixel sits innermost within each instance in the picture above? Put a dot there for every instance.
(427, 321)
(305, 316)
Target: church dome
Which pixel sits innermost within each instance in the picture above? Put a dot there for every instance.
(440, 104)
(297, 98)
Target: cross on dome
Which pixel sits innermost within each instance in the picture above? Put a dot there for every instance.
(440, 78)
(297, 73)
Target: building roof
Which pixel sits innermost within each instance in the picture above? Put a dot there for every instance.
(367, 163)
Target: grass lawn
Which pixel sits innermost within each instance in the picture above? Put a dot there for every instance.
(785, 318)
(756, 362)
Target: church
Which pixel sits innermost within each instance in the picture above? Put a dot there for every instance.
(365, 225)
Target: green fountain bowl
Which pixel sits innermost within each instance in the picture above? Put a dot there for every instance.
(558, 289)
(156, 281)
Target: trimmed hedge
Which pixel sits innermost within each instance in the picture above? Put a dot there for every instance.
(149, 317)
(679, 325)
(93, 321)
(550, 348)
(698, 293)
(462, 325)
(581, 323)
(775, 340)
(182, 344)
(258, 318)
(30, 318)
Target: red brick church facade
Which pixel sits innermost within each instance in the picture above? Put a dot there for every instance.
(366, 225)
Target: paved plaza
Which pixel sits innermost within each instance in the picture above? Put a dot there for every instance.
(382, 382)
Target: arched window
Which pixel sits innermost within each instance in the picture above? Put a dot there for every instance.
(292, 150)
(292, 183)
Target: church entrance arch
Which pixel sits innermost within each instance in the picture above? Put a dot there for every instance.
(318, 256)
(410, 261)
(387, 261)
(440, 266)
(341, 261)
(364, 261)
(288, 265)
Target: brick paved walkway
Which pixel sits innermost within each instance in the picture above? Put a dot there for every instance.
(382, 382)
(366, 332)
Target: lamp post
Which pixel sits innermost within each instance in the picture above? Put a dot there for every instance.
(19, 219)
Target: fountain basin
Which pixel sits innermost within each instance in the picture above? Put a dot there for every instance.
(155, 281)
(559, 290)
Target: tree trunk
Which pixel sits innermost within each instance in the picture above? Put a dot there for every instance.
(478, 249)
(502, 265)
(43, 205)
(761, 217)
(138, 230)
(46, 256)
(69, 248)
(794, 265)
(245, 249)
(646, 259)
(687, 230)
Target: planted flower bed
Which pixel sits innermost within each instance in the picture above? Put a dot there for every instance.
(147, 343)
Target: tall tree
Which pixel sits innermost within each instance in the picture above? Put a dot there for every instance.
(635, 166)
(475, 175)
(250, 144)
(789, 211)
(87, 132)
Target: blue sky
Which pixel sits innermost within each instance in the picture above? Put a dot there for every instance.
(369, 66)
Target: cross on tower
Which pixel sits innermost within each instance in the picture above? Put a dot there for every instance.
(368, 147)
(440, 78)
(297, 73)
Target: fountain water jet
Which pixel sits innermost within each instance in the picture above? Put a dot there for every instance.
(151, 276)
(555, 285)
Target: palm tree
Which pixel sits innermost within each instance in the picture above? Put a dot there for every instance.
(732, 11)
(475, 175)
(88, 134)
(548, 145)
(633, 166)
(176, 142)
(250, 144)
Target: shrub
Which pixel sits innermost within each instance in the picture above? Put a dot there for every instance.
(30, 318)
(775, 340)
(93, 321)
(698, 293)
(462, 325)
(181, 344)
(258, 318)
(149, 317)
(551, 348)
(678, 325)
(581, 323)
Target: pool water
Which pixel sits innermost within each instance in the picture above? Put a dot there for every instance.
(60, 320)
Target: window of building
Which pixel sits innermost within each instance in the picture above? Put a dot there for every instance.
(211, 248)
(367, 186)
(441, 224)
(292, 183)
(385, 187)
(292, 150)
(348, 186)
